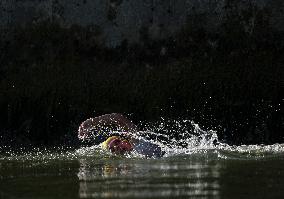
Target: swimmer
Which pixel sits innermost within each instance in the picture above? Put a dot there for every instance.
(119, 144)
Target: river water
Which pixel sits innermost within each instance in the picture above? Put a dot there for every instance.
(201, 169)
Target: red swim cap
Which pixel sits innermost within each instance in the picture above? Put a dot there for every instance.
(117, 145)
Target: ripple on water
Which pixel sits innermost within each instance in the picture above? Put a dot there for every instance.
(195, 166)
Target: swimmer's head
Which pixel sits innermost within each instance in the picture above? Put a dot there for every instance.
(117, 145)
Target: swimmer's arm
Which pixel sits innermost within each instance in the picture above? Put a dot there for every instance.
(115, 119)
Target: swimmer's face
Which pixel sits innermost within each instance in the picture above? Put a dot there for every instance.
(119, 146)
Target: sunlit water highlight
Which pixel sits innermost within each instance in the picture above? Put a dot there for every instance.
(196, 165)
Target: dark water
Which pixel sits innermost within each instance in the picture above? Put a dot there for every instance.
(236, 172)
(196, 165)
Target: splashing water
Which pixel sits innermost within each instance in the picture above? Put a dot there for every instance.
(195, 165)
(175, 138)
(184, 138)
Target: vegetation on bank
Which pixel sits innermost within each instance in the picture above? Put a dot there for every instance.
(52, 78)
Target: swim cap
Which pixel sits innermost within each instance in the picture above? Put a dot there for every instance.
(116, 145)
(105, 144)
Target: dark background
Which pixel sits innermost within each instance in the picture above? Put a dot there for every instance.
(53, 76)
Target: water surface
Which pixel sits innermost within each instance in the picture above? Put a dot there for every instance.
(199, 169)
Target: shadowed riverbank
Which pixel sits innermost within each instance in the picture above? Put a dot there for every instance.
(52, 78)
